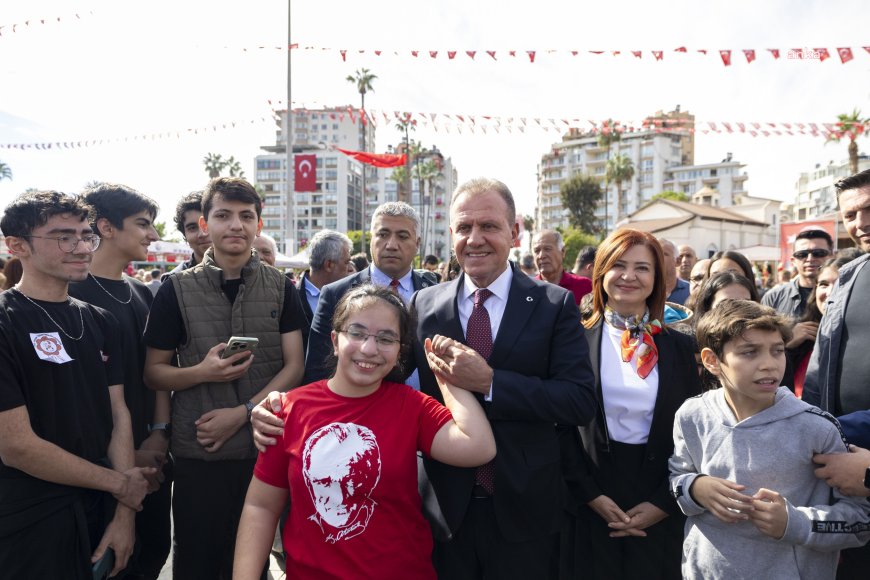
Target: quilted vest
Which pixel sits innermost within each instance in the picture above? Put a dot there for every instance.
(209, 319)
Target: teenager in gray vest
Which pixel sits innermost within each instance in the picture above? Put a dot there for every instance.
(196, 311)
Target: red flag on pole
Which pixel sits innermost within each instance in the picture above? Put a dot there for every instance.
(305, 175)
(375, 159)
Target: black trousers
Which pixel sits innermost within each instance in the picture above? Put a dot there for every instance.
(207, 504)
(479, 550)
(153, 532)
(588, 551)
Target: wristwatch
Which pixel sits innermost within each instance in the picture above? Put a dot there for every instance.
(165, 427)
(249, 407)
(867, 478)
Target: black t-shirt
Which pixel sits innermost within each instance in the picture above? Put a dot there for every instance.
(131, 318)
(805, 294)
(853, 394)
(166, 331)
(68, 402)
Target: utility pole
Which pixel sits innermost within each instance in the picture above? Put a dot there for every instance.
(288, 133)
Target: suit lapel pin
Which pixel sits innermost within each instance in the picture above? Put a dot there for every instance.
(529, 299)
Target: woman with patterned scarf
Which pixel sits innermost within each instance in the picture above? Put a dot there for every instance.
(626, 523)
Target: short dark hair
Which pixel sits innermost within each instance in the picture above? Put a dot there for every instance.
(732, 318)
(190, 202)
(708, 290)
(116, 202)
(31, 210)
(230, 189)
(815, 234)
(857, 181)
(360, 261)
(736, 257)
(430, 259)
(585, 256)
(357, 299)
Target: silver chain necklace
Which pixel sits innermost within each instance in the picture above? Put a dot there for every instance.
(112, 296)
(44, 311)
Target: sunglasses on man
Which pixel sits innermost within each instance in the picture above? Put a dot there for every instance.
(817, 253)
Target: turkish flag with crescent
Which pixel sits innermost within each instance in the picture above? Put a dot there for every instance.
(305, 176)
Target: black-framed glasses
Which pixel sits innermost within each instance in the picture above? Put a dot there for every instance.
(68, 243)
(816, 253)
(358, 334)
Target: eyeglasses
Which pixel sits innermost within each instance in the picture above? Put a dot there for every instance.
(357, 334)
(818, 253)
(69, 244)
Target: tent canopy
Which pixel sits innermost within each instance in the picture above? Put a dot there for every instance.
(299, 260)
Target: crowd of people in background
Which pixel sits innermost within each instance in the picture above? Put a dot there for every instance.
(638, 413)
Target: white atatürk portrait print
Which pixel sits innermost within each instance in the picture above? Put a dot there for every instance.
(341, 465)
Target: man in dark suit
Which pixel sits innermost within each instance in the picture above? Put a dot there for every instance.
(395, 240)
(328, 262)
(503, 517)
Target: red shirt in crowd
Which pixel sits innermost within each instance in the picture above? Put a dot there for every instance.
(578, 285)
(350, 465)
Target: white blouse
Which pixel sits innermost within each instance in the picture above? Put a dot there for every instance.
(629, 400)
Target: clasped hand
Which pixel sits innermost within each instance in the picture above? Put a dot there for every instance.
(458, 364)
(766, 509)
(629, 523)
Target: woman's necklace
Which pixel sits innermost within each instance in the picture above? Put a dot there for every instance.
(112, 296)
(44, 311)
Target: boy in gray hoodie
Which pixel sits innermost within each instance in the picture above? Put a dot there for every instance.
(742, 469)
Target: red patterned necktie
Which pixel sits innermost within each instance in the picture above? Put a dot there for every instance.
(478, 335)
(394, 287)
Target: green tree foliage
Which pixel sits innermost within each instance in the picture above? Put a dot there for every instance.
(575, 240)
(161, 229)
(619, 168)
(5, 171)
(580, 196)
(356, 236)
(672, 195)
(214, 164)
(529, 226)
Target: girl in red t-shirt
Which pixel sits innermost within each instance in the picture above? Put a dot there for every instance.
(347, 460)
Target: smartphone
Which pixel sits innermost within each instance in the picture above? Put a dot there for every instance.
(104, 565)
(237, 344)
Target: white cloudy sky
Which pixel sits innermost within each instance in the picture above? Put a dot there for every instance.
(131, 68)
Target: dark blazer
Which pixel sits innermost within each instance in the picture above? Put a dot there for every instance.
(541, 377)
(678, 380)
(306, 308)
(319, 342)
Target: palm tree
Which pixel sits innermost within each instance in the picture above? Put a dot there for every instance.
(404, 125)
(529, 226)
(5, 171)
(214, 164)
(234, 167)
(363, 80)
(609, 134)
(426, 172)
(851, 126)
(619, 169)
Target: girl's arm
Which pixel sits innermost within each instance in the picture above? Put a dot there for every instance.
(263, 506)
(467, 440)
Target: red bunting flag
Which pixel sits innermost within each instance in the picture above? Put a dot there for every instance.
(867, 48)
(471, 53)
(305, 174)
(343, 55)
(845, 54)
(726, 57)
(375, 159)
(658, 54)
(451, 54)
(414, 53)
(703, 51)
(378, 53)
(637, 53)
(491, 53)
(680, 49)
(750, 55)
(774, 52)
(531, 54)
(433, 53)
(823, 54)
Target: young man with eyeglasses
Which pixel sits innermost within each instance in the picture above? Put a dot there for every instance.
(124, 219)
(68, 487)
(196, 311)
(811, 248)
